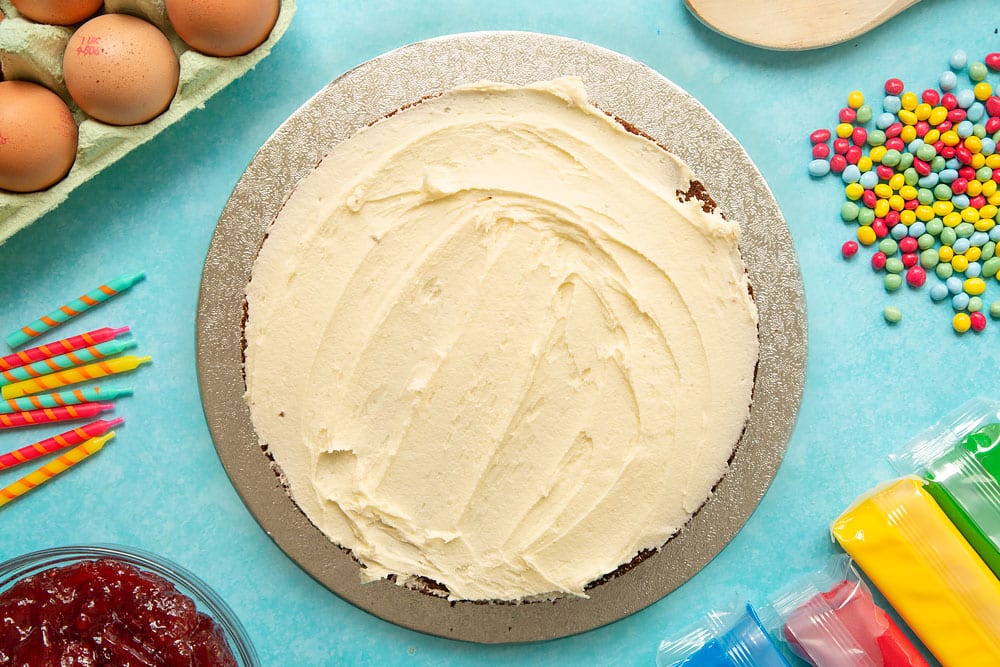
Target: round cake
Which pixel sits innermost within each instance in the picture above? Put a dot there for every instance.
(500, 344)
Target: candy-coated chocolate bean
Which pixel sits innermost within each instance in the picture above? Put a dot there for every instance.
(961, 322)
(878, 261)
(977, 321)
(849, 249)
(892, 314)
(893, 86)
(916, 276)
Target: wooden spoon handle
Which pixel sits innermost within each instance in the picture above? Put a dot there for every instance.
(795, 24)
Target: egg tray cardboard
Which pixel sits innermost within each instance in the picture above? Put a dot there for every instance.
(33, 51)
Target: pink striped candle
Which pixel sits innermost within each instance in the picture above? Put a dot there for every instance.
(57, 442)
(52, 415)
(63, 346)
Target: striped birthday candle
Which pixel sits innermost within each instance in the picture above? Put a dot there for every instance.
(63, 346)
(57, 442)
(52, 468)
(62, 398)
(52, 415)
(72, 376)
(61, 362)
(79, 305)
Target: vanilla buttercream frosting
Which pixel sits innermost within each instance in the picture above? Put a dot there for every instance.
(490, 344)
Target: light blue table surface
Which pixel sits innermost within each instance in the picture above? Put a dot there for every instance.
(160, 485)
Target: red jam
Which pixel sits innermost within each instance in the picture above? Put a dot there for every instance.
(102, 613)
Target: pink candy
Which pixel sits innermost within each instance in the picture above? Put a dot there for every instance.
(820, 136)
(893, 86)
(849, 249)
(821, 151)
(993, 61)
(916, 276)
(859, 136)
(931, 97)
(907, 244)
(878, 260)
(977, 320)
(847, 115)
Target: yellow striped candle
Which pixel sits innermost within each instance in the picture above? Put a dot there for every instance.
(72, 376)
(52, 468)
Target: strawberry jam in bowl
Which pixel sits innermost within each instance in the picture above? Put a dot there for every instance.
(105, 605)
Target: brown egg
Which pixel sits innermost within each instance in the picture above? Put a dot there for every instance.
(223, 27)
(37, 137)
(120, 69)
(58, 12)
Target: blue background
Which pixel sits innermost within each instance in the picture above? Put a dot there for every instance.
(160, 485)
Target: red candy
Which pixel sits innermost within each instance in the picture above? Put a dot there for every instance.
(909, 259)
(847, 115)
(922, 127)
(838, 163)
(977, 320)
(840, 145)
(993, 105)
(880, 228)
(949, 101)
(821, 151)
(938, 146)
(944, 125)
(878, 261)
(993, 61)
(931, 97)
(959, 186)
(892, 218)
(893, 130)
(895, 144)
(922, 167)
(869, 198)
(859, 136)
(956, 115)
(978, 201)
(849, 249)
(883, 172)
(911, 204)
(963, 154)
(996, 175)
(893, 86)
(853, 154)
(948, 152)
(968, 173)
(992, 125)
(820, 136)
(907, 244)
(915, 276)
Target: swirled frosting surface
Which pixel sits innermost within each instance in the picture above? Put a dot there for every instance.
(489, 344)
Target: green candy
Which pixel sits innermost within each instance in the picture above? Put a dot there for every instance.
(876, 138)
(849, 211)
(926, 152)
(925, 241)
(934, 225)
(864, 115)
(929, 258)
(978, 131)
(991, 267)
(910, 175)
(866, 216)
(943, 270)
(943, 192)
(977, 71)
(894, 265)
(984, 173)
(965, 229)
(925, 196)
(948, 236)
(892, 156)
(906, 160)
(893, 281)
(989, 250)
(938, 163)
(888, 246)
(995, 310)
(892, 314)
(975, 304)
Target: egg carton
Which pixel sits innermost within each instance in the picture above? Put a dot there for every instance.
(33, 51)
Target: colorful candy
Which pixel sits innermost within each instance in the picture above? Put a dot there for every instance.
(52, 415)
(60, 347)
(72, 309)
(72, 376)
(53, 468)
(63, 398)
(57, 442)
(923, 183)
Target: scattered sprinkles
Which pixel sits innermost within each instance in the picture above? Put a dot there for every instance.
(922, 186)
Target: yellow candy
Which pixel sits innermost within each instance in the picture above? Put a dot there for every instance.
(844, 130)
(926, 570)
(961, 324)
(922, 111)
(908, 117)
(883, 190)
(924, 213)
(988, 211)
(909, 101)
(854, 191)
(908, 133)
(943, 208)
(938, 115)
(897, 181)
(959, 263)
(990, 186)
(974, 144)
(881, 208)
(985, 224)
(864, 164)
(945, 253)
(978, 159)
(907, 217)
(994, 198)
(974, 188)
(866, 235)
(877, 153)
(993, 161)
(953, 219)
(908, 192)
(970, 214)
(974, 286)
(950, 138)
(982, 91)
(973, 254)
(896, 203)
(855, 99)
(932, 136)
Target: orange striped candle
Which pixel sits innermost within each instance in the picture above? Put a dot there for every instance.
(72, 376)
(51, 415)
(72, 309)
(71, 344)
(53, 468)
(57, 442)
(63, 398)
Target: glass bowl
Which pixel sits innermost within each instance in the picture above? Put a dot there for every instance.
(206, 600)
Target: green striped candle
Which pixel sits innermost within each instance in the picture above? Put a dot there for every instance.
(62, 398)
(64, 361)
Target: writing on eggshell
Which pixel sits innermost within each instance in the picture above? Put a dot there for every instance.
(223, 27)
(120, 69)
(38, 137)
(57, 12)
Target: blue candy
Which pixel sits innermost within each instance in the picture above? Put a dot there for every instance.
(954, 284)
(916, 229)
(939, 292)
(928, 181)
(914, 145)
(953, 163)
(995, 234)
(958, 60)
(947, 81)
(898, 231)
(989, 146)
(818, 168)
(965, 98)
(979, 239)
(869, 180)
(852, 174)
(964, 129)
(974, 270)
(975, 111)
(960, 301)
(960, 201)
(884, 120)
(948, 175)
(892, 104)
(960, 246)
